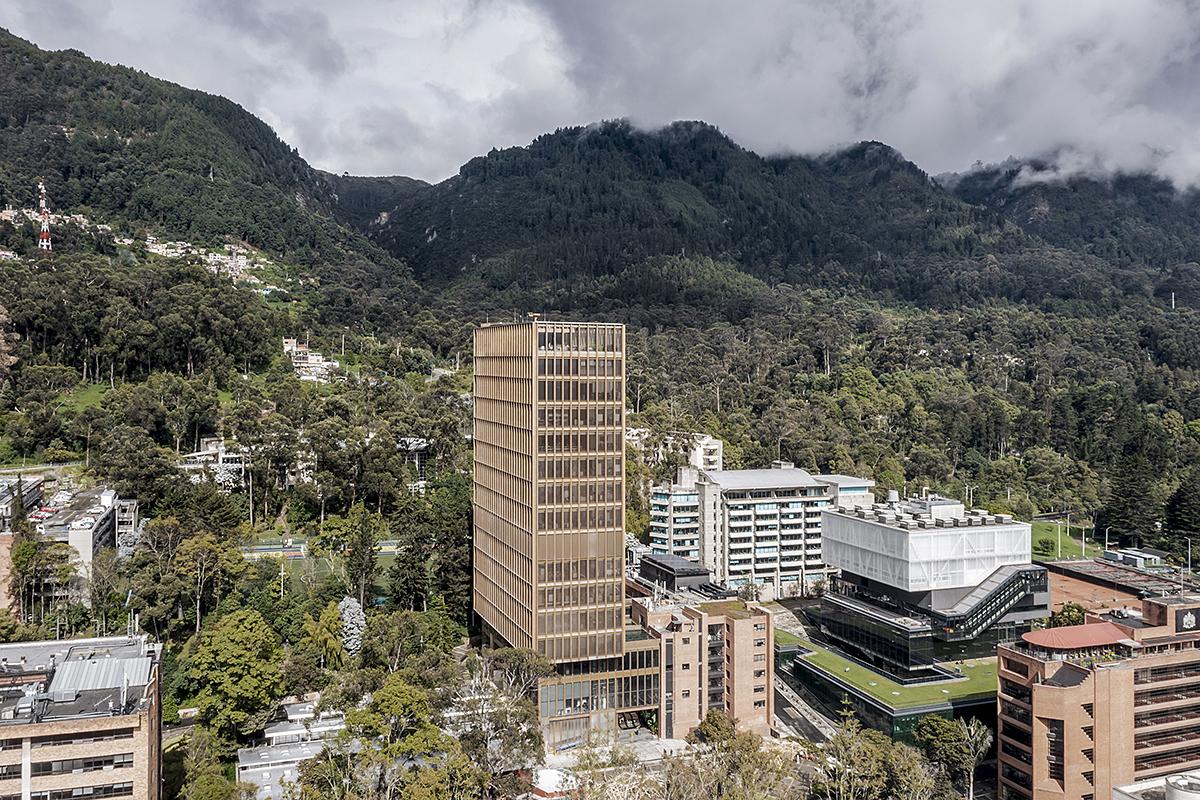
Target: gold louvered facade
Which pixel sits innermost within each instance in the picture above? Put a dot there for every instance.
(549, 492)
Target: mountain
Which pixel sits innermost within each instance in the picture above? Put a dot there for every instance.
(142, 153)
(581, 207)
(360, 200)
(1128, 220)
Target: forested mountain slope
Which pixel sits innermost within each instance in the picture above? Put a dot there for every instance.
(1139, 221)
(845, 311)
(581, 205)
(140, 153)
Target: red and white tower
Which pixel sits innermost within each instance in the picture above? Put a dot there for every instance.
(44, 236)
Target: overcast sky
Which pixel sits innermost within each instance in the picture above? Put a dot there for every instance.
(417, 87)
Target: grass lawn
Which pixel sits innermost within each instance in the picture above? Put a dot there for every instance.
(1045, 531)
(980, 679)
(785, 638)
(85, 396)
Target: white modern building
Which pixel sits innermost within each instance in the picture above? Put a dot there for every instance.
(926, 581)
(271, 767)
(752, 527)
(923, 545)
(675, 516)
(701, 450)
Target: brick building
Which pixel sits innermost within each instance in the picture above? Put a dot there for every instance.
(1087, 708)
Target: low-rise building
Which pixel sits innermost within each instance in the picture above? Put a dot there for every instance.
(308, 364)
(80, 719)
(23, 490)
(698, 450)
(87, 520)
(1112, 702)
(680, 661)
(302, 734)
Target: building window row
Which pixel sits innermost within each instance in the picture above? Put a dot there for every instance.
(560, 467)
(610, 442)
(75, 765)
(579, 493)
(580, 367)
(591, 417)
(62, 739)
(600, 390)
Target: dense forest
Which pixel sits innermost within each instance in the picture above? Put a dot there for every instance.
(1002, 330)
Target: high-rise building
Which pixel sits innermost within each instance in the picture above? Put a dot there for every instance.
(549, 490)
(1087, 708)
(762, 527)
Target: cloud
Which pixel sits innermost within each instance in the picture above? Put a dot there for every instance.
(408, 87)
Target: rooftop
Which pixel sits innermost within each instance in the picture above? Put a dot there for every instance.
(785, 478)
(73, 678)
(677, 565)
(979, 680)
(844, 480)
(1077, 637)
(734, 609)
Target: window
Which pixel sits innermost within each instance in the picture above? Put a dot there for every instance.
(760, 689)
(687, 640)
(760, 642)
(77, 765)
(685, 666)
(81, 738)
(111, 790)
(760, 658)
(686, 692)
(760, 703)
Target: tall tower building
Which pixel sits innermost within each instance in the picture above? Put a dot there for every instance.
(44, 211)
(549, 492)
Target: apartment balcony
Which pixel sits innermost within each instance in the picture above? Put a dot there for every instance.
(1168, 718)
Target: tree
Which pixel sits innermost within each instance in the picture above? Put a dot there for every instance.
(351, 544)
(323, 634)
(354, 622)
(854, 766)
(716, 727)
(1183, 508)
(910, 776)
(977, 741)
(1069, 614)
(408, 577)
(204, 776)
(942, 742)
(233, 674)
(198, 561)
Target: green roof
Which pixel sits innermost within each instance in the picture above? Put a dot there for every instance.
(734, 609)
(979, 680)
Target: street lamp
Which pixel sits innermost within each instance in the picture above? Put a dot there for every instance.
(1106, 530)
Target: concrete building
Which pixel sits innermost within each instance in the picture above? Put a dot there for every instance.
(27, 488)
(549, 545)
(675, 517)
(698, 450)
(1112, 702)
(924, 581)
(309, 365)
(673, 573)
(80, 719)
(88, 521)
(301, 735)
(712, 656)
(762, 527)
(1181, 786)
